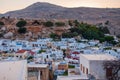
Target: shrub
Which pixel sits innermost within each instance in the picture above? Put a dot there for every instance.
(22, 30)
(107, 22)
(21, 23)
(101, 40)
(107, 48)
(42, 51)
(60, 24)
(48, 24)
(30, 57)
(36, 22)
(109, 38)
(2, 23)
(76, 22)
(65, 73)
(105, 30)
(70, 23)
(69, 35)
(53, 35)
(71, 66)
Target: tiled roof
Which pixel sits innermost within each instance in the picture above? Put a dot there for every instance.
(75, 52)
(31, 52)
(21, 51)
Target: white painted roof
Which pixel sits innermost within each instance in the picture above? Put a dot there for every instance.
(98, 56)
(38, 65)
(76, 77)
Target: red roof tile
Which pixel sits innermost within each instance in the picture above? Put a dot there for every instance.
(31, 52)
(75, 52)
(21, 51)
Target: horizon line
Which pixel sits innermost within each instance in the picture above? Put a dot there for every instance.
(61, 6)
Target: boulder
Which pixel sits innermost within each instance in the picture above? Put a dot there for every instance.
(8, 35)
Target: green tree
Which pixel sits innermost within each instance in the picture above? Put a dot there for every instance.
(22, 30)
(48, 24)
(84, 27)
(60, 24)
(69, 35)
(77, 30)
(90, 34)
(109, 38)
(101, 40)
(53, 35)
(70, 23)
(107, 22)
(105, 30)
(88, 31)
(40, 51)
(76, 23)
(66, 35)
(1, 23)
(21, 23)
(74, 34)
(114, 42)
(30, 57)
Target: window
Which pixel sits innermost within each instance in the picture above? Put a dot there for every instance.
(81, 67)
(86, 70)
(20, 56)
(41, 73)
(47, 56)
(108, 72)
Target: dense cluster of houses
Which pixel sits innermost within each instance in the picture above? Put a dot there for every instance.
(77, 60)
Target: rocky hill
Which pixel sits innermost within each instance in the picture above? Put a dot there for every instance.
(50, 11)
(37, 10)
(91, 15)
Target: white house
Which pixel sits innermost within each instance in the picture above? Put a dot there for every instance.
(93, 64)
(13, 70)
(113, 53)
(93, 42)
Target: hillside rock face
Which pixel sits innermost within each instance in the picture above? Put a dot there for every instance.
(90, 15)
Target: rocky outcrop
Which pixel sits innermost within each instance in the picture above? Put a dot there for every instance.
(8, 35)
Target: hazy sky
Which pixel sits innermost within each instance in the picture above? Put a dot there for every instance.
(9, 5)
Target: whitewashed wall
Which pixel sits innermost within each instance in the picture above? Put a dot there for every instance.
(13, 70)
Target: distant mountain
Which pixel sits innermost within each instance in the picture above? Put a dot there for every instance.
(37, 10)
(50, 11)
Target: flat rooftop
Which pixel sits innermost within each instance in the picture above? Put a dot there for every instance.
(81, 77)
(98, 56)
(37, 65)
